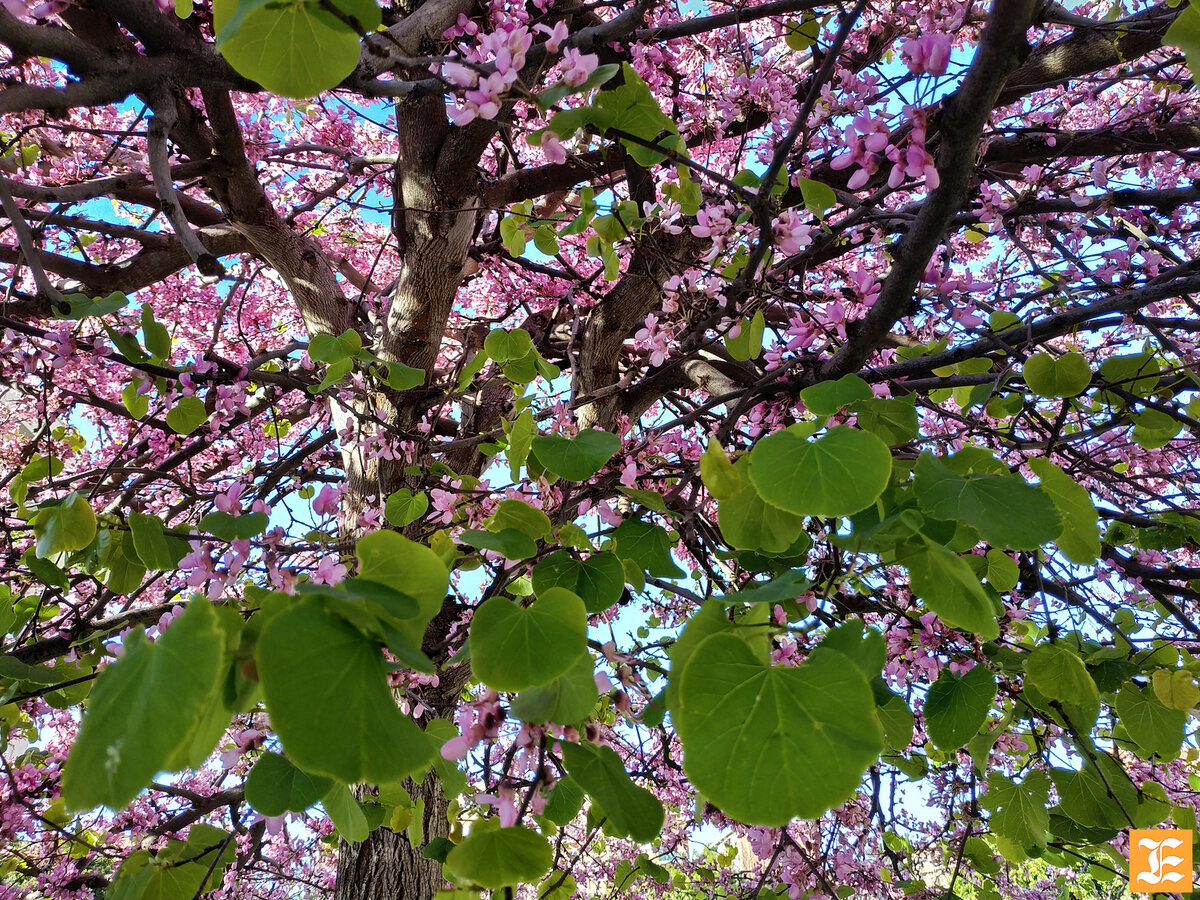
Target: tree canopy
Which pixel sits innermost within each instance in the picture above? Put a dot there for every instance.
(643, 447)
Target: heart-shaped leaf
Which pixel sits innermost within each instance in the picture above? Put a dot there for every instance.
(767, 744)
(599, 580)
(836, 475)
(495, 857)
(513, 648)
(275, 786)
(632, 810)
(577, 458)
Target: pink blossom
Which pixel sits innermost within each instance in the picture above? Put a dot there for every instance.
(329, 570)
(578, 67)
(326, 503)
(930, 53)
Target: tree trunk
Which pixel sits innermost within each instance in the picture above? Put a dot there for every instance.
(386, 866)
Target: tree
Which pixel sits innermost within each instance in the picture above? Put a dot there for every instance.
(504, 447)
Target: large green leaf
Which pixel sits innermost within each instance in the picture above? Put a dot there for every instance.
(599, 580)
(1080, 538)
(768, 744)
(748, 522)
(1004, 509)
(513, 648)
(566, 700)
(956, 707)
(296, 49)
(1155, 728)
(275, 786)
(632, 810)
(710, 619)
(509, 543)
(69, 524)
(648, 546)
(950, 588)
(144, 708)
(1019, 811)
(836, 475)
(494, 857)
(577, 458)
(408, 567)
(1059, 673)
(326, 689)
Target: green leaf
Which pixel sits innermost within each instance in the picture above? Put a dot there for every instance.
(748, 522)
(719, 475)
(787, 586)
(863, 646)
(346, 814)
(521, 516)
(769, 744)
(565, 801)
(136, 403)
(42, 467)
(599, 580)
(275, 786)
(187, 415)
(398, 376)
(956, 708)
(894, 715)
(513, 648)
(748, 344)
(509, 543)
(181, 871)
(1059, 673)
(1065, 376)
(553, 95)
(1100, 794)
(226, 527)
(949, 588)
(830, 397)
(818, 197)
(1184, 33)
(512, 234)
(66, 525)
(1155, 728)
(494, 857)
(837, 475)
(155, 336)
(567, 700)
(631, 810)
(1176, 689)
(1004, 509)
(404, 507)
(1019, 810)
(648, 546)
(577, 458)
(143, 708)
(122, 569)
(407, 567)
(326, 689)
(297, 50)
(156, 549)
(520, 440)
(1003, 573)
(83, 306)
